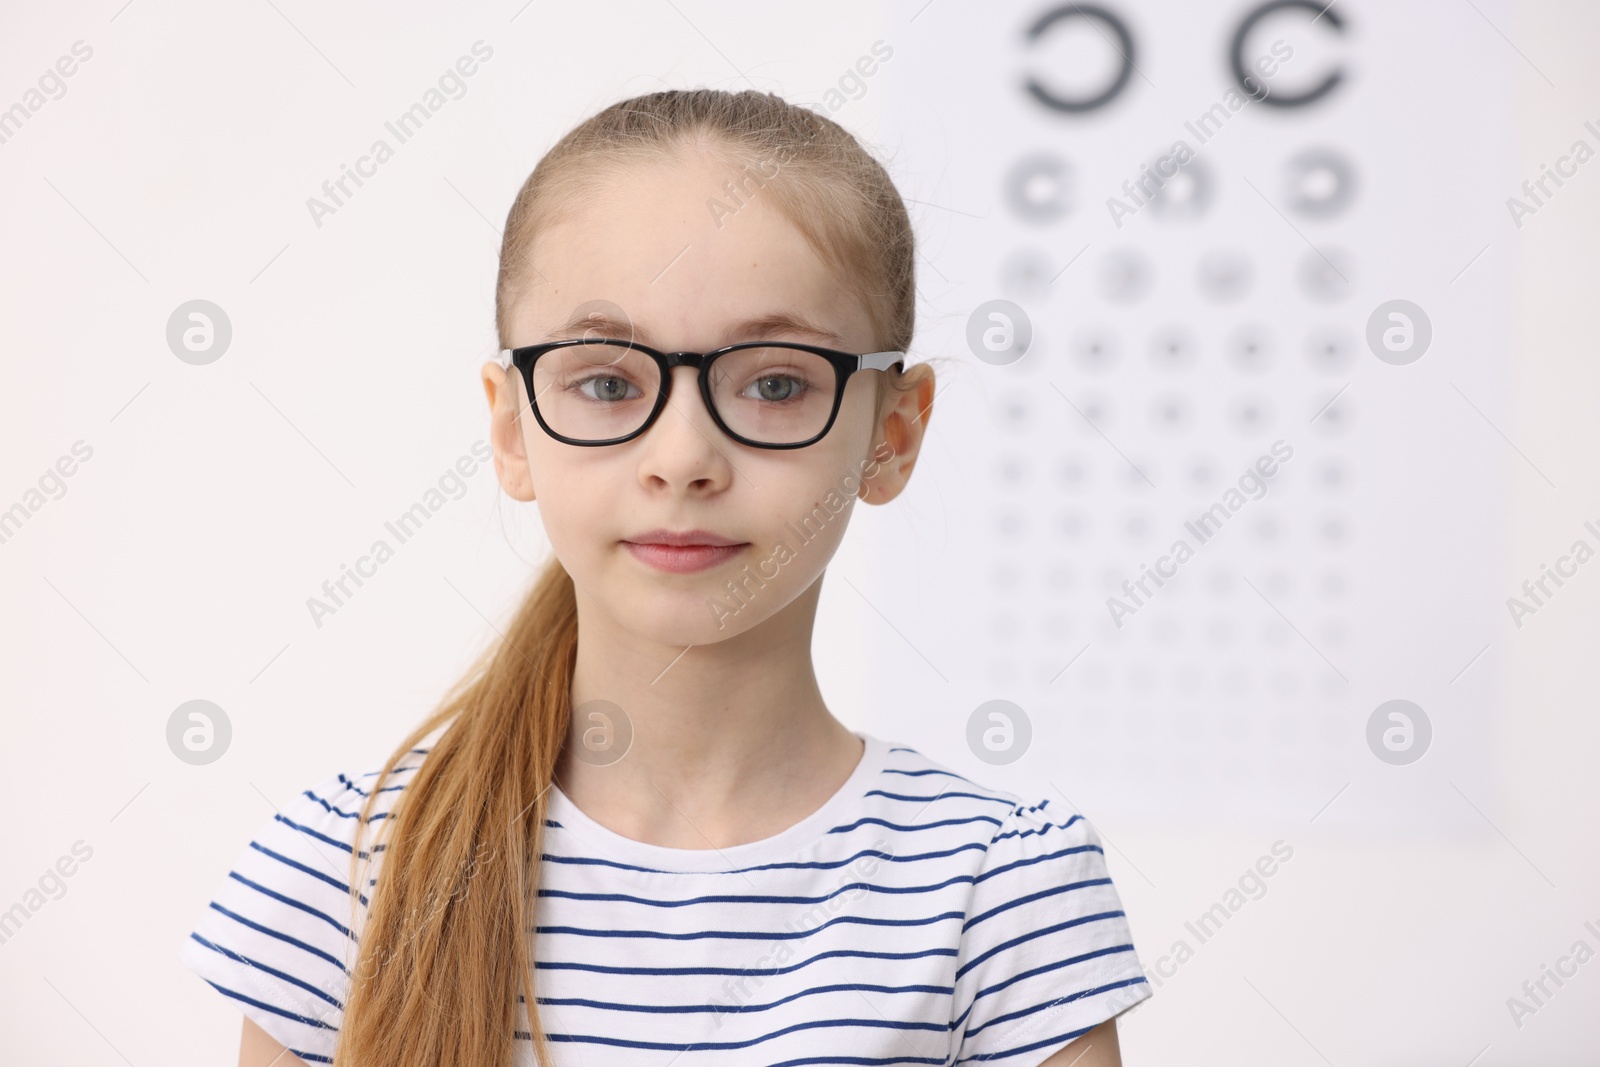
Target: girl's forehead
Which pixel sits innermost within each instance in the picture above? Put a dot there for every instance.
(681, 257)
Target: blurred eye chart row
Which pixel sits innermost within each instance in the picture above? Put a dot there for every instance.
(1226, 365)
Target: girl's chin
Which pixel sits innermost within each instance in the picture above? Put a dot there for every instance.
(682, 618)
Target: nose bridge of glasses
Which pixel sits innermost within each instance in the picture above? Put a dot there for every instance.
(691, 413)
(684, 359)
(696, 362)
(691, 393)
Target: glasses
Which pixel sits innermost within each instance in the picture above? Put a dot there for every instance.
(766, 394)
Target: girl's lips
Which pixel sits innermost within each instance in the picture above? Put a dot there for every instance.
(683, 559)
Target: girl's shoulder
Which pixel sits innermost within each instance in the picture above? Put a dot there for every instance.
(999, 819)
(340, 815)
(1043, 948)
(276, 936)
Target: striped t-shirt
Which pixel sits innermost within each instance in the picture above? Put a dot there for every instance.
(915, 918)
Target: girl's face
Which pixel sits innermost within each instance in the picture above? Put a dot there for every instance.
(647, 249)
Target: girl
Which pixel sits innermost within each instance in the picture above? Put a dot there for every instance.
(642, 837)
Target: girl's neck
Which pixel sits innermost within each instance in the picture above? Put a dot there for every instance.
(731, 742)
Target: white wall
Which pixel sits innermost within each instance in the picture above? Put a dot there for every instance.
(218, 498)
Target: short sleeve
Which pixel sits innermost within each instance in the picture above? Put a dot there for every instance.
(1046, 953)
(275, 937)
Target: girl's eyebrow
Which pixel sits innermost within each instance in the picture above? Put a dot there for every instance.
(764, 327)
(761, 328)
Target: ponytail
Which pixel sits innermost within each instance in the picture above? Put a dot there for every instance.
(447, 943)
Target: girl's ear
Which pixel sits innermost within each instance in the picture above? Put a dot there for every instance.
(505, 432)
(899, 439)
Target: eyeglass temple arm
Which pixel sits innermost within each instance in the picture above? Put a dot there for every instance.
(882, 360)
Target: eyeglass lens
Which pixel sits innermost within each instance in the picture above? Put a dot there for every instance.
(598, 392)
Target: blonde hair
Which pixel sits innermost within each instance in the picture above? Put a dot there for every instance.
(448, 943)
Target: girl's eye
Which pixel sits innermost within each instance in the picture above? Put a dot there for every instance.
(607, 388)
(775, 389)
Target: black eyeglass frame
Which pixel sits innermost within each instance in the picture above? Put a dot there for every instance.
(844, 365)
